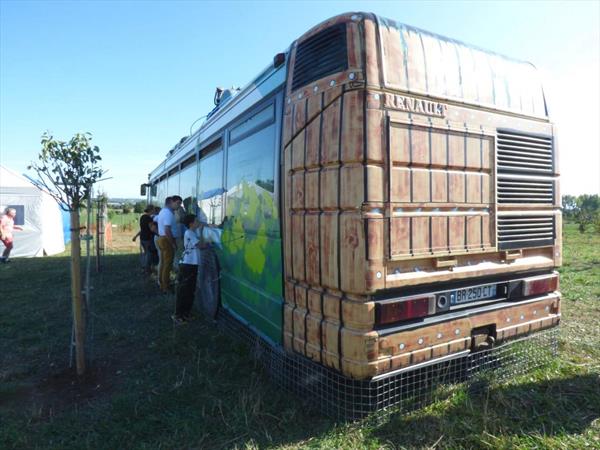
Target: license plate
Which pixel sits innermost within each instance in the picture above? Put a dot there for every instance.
(473, 294)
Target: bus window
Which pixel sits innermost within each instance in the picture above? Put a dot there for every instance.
(258, 120)
(252, 161)
(173, 185)
(187, 186)
(161, 193)
(250, 178)
(210, 189)
(152, 193)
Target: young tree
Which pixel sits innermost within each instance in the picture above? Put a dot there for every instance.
(588, 206)
(569, 205)
(68, 170)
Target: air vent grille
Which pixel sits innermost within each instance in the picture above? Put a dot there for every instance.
(323, 54)
(522, 152)
(525, 168)
(525, 231)
(525, 190)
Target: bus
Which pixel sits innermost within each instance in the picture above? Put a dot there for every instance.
(384, 197)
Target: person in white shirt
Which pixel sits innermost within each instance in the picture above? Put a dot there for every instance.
(165, 242)
(188, 270)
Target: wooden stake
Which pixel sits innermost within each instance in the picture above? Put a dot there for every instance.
(76, 297)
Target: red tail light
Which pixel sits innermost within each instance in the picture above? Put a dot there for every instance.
(540, 285)
(412, 308)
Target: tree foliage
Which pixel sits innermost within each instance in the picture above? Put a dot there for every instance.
(140, 206)
(569, 205)
(68, 169)
(584, 209)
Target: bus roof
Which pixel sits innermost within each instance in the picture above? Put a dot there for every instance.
(425, 63)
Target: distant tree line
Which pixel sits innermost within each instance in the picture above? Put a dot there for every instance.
(127, 207)
(583, 209)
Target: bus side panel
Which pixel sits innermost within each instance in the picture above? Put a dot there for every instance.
(324, 180)
(251, 283)
(251, 261)
(250, 256)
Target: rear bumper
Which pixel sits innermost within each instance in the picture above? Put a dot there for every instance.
(370, 354)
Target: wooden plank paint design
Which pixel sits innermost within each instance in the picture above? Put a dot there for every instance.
(374, 189)
(450, 177)
(313, 254)
(422, 63)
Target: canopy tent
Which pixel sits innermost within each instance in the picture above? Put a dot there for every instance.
(38, 214)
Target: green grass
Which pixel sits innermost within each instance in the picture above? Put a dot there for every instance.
(151, 387)
(126, 219)
(123, 220)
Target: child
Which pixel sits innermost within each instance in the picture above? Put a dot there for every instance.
(188, 271)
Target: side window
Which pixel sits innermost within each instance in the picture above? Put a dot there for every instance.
(251, 182)
(264, 117)
(251, 161)
(161, 193)
(210, 189)
(173, 185)
(187, 186)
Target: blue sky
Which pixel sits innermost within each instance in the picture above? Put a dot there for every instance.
(137, 74)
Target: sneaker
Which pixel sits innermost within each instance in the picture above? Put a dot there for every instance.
(178, 320)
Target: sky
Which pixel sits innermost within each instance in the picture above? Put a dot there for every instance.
(137, 74)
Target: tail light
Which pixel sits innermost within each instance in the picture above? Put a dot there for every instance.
(405, 309)
(540, 285)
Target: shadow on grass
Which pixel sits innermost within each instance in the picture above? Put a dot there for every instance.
(152, 385)
(148, 384)
(545, 408)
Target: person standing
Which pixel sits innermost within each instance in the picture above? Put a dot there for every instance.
(146, 238)
(166, 242)
(154, 228)
(177, 229)
(7, 226)
(188, 271)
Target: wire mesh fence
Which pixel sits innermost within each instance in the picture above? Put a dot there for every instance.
(402, 391)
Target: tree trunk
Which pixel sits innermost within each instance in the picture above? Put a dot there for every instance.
(76, 297)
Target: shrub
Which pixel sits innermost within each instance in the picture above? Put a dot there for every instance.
(139, 207)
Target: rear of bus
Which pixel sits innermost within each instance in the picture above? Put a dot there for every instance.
(420, 198)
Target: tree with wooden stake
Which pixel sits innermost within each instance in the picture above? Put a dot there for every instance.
(68, 170)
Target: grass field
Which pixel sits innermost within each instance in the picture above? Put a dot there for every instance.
(153, 387)
(126, 221)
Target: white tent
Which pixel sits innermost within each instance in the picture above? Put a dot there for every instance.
(37, 213)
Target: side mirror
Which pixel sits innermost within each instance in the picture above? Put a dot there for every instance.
(143, 190)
